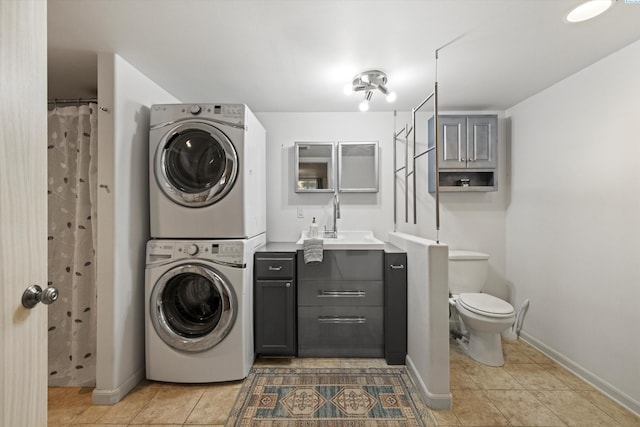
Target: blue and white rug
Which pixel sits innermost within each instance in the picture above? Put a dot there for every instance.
(329, 397)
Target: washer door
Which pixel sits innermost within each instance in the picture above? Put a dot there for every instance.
(196, 164)
(193, 307)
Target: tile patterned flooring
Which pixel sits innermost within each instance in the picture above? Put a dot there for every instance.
(529, 390)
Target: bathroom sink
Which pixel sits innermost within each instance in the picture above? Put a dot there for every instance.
(346, 240)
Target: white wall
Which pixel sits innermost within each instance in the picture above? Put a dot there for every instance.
(366, 211)
(123, 223)
(573, 239)
(427, 313)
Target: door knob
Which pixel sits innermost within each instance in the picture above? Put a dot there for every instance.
(34, 294)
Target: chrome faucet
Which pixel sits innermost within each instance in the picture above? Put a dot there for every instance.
(336, 214)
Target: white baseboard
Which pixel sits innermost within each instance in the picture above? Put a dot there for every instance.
(611, 391)
(433, 401)
(111, 397)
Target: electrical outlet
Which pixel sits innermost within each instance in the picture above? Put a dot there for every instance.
(300, 213)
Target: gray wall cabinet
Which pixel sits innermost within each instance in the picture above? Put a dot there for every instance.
(467, 152)
(275, 304)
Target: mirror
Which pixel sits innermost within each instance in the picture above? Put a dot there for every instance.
(358, 167)
(315, 167)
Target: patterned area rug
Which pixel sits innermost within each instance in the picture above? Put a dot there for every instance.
(329, 397)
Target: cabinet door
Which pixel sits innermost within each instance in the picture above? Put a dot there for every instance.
(275, 318)
(395, 308)
(481, 142)
(452, 139)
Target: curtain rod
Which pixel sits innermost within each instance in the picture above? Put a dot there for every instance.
(72, 101)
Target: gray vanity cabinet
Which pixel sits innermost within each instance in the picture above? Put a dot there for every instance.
(467, 152)
(275, 304)
(395, 307)
(341, 304)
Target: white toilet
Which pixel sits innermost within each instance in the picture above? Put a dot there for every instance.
(484, 316)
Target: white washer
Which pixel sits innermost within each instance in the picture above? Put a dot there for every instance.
(199, 309)
(207, 172)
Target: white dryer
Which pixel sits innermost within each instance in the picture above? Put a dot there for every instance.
(199, 309)
(207, 172)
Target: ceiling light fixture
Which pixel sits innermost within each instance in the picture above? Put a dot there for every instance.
(588, 9)
(367, 82)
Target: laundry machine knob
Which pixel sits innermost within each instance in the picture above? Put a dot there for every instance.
(193, 249)
(196, 109)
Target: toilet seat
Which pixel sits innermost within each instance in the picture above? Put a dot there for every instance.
(486, 305)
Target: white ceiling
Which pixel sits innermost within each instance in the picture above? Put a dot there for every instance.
(296, 55)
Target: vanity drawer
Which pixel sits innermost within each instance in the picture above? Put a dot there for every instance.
(340, 293)
(340, 332)
(343, 265)
(274, 267)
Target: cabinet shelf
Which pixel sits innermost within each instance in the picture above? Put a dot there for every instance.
(454, 180)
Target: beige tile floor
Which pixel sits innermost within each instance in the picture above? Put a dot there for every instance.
(529, 390)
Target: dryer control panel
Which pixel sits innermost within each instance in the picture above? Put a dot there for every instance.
(163, 114)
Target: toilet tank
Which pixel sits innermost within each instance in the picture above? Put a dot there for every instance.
(467, 271)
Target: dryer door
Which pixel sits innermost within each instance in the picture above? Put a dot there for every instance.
(195, 164)
(193, 307)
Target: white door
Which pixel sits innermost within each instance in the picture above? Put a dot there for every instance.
(23, 211)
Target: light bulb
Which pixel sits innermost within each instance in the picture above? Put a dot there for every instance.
(364, 106)
(391, 96)
(348, 89)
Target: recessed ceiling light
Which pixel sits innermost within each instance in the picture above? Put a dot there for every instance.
(589, 9)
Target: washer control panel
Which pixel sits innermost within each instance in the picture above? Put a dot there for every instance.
(225, 252)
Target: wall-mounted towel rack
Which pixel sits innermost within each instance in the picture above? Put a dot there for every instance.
(408, 132)
(404, 135)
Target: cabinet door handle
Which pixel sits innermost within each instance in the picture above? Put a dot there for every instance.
(277, 268)
(287, 285)
(397, 267)
(342, 294)
(342, 319)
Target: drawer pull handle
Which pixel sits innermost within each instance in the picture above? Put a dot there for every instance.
(342, 320)
(342, 294)
(397, 267)
(272, 268)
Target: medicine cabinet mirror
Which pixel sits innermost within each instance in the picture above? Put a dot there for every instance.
(358, 167)
(315, 167)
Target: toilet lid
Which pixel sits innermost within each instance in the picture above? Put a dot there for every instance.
(486, 304)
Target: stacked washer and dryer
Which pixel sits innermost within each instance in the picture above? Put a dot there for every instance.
(207, 176)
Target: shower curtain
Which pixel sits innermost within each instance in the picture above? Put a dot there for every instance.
(72, 174)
